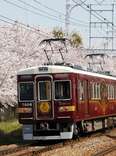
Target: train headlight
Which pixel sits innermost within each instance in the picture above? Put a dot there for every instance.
(44, 107)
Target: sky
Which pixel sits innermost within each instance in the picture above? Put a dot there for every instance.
(49, 14)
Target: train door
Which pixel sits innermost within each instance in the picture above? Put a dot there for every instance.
(44, 99)
(83, 99)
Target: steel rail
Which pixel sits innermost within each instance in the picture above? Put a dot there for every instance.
(106, 151)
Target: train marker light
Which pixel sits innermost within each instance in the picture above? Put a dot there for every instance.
(67, 109)
(24, 110)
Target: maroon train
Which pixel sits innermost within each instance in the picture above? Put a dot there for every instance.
(59, 102)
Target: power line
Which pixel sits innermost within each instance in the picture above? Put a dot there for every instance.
(25, 27)
(22, 24)
(99, 2)
(87, 9)
(38, 9)
(100, 16)
(38, 13)
(35, 8)
(45, 6)
(31, 11)
(5, 21)
(56, 11)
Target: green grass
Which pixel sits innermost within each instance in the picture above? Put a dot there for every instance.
(9, 126)
(10, 132)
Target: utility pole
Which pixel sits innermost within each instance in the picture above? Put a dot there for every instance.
(103, 23)
(101, 35)
(67, 17)
(69, 8)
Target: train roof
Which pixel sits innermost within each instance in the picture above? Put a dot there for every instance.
(50, 69)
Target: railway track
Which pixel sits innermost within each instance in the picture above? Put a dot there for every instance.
(106, 151)
(12, 150)
(35, 149)
(28, 150)
(32, 150)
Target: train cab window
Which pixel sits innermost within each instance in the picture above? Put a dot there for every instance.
(26, 91)
(44, 90)
(62, 90)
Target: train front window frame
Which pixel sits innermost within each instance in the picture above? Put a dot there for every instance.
(59, 96)
(48, 93)
(26, 99)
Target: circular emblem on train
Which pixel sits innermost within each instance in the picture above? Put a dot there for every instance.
(44, 107)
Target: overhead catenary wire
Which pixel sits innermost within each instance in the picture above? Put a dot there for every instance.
(60, 13)
(26, 26)
(96, 14)
(29, 10)
(99, 2)
(33, 8)
(103, 18)
(26, 9)
(40, 13)
(59, 20)
(51, 15)
(25, 56)
(11, 22)
(38, 9)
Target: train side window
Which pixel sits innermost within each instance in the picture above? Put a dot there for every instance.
(108, 91)
(111, 92)
(95, 90)
(62, 90)
(114, 91)
(98, 91)
(90, 90)
(81, 90)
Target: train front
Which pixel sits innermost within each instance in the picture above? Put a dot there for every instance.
(45, 103)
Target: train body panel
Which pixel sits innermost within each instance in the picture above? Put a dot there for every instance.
(53, 99)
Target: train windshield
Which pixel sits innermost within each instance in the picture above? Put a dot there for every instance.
(44, 90)
(26, 91)
(62, 90)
